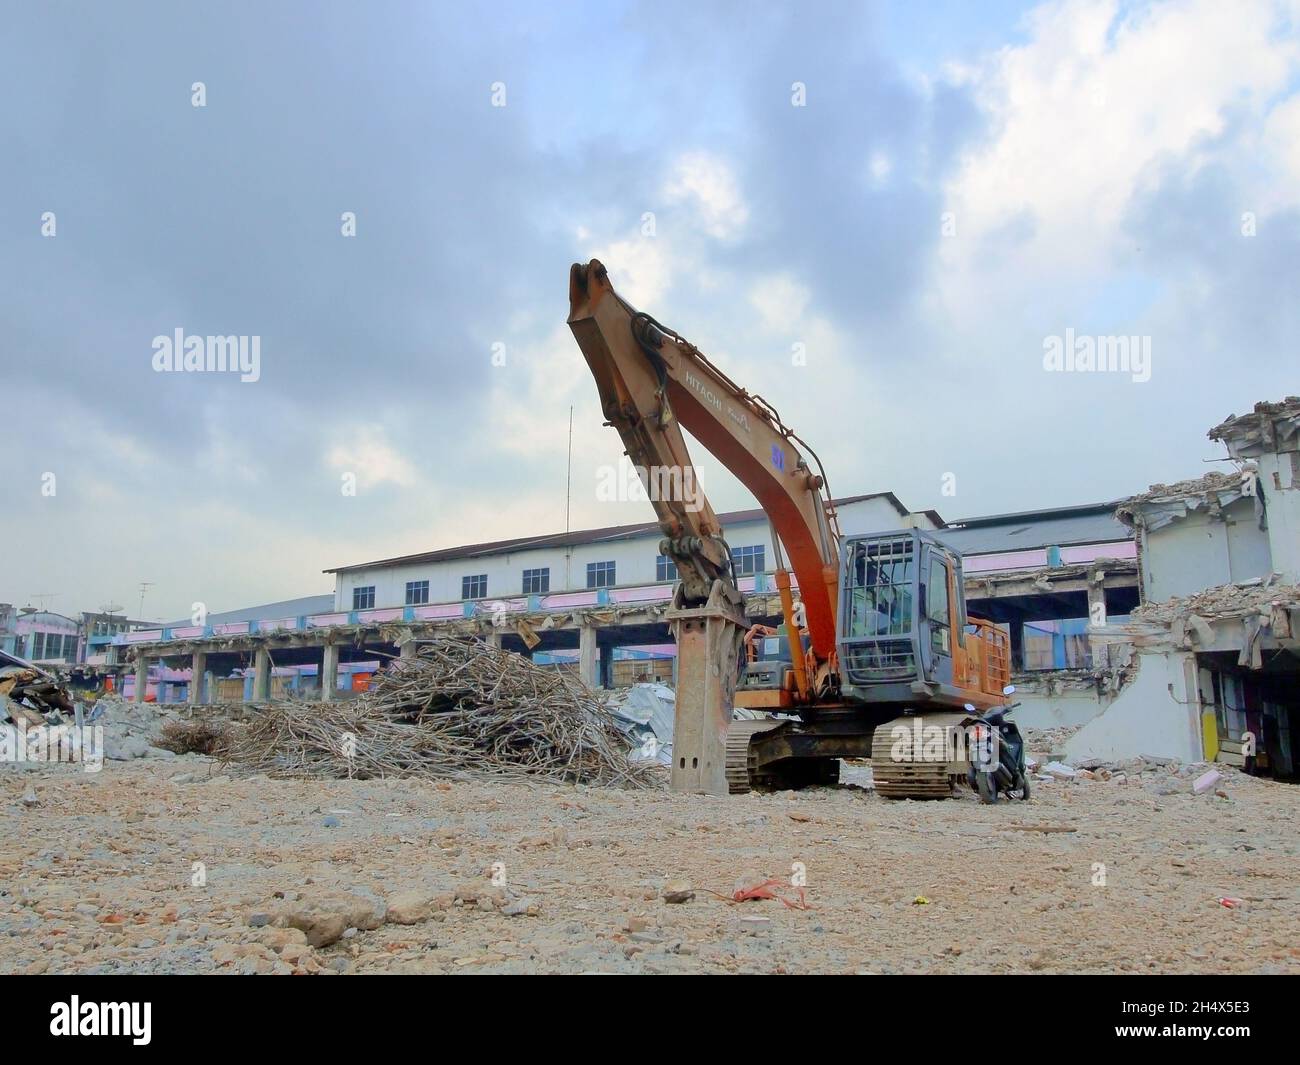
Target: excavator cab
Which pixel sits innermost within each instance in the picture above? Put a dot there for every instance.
(767, 667)
(904, 637)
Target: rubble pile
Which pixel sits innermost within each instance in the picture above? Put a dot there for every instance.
(1214, 481)
(31, 698)
(460, 709)
(1227, 600)
(29, 695)
(1163, 503)
(1272, 423)
(1048, 740)
(1160, 777)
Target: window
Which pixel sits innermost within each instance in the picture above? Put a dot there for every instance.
(665, 569)
(880, 611)
(363, 598)
(417, 593)
(1060, 644)
(749, 559)
(537, 581)
(474, 587)
(936, 606)
(38, 646)
(881, 590)
(600, 574)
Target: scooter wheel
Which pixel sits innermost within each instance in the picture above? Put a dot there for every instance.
(1024, 787)
(987, 787)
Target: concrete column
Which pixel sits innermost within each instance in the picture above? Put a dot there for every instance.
(262, 676)
(1015, 623)
(1096, 603)
(141, 678)
(1280, 481)
(1096, 618)
(494, 637)
(407, 650)
(588, 656)
(329, 673)
(198, 677)
(607, 666)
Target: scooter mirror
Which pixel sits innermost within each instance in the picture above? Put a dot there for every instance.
(1010, 689)
(970, 708)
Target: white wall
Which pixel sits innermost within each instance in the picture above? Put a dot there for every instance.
(1199, 551)
(1280, 477)
(877, 515)
(1157, 712)
(634, 560)
(1039, 709)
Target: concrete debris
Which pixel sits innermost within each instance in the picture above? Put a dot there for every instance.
(1255, 597)
(1214, 481)
(1060, 771)
(1269, 424)
(30, 695)
(130, 729)
(678, 891)
(410, 907)
(1047, 743)
(1163, 504)
(1206, 781)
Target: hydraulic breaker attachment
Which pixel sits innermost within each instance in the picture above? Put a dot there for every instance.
(709, 640)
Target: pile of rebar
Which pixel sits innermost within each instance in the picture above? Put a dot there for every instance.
(460, 709)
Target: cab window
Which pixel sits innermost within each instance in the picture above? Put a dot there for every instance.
(936, 606)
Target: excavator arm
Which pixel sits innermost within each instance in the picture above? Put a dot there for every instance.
(653, 384)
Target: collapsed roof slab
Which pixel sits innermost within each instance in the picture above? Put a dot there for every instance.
(1269, 439)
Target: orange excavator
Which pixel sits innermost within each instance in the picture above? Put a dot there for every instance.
(879, 641)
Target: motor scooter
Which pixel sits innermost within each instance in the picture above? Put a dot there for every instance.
(997, 762)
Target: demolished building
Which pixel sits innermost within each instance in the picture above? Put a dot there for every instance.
(1214, 651)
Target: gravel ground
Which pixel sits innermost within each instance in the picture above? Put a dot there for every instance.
(169, 866)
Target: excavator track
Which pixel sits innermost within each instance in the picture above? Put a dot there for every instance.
(742, 775)
(918, 779)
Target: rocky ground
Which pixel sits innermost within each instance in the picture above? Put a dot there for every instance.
(167, 865)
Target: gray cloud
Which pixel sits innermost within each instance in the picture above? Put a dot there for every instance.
(225, 220)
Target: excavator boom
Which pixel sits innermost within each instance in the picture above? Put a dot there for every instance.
(905, 639)
(653, 384)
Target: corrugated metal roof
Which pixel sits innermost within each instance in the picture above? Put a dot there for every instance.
(1094, 524)
(613, 533)
(286, 608)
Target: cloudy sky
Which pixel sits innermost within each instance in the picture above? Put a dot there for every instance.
(961, 183)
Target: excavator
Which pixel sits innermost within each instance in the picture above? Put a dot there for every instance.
(878, 646)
